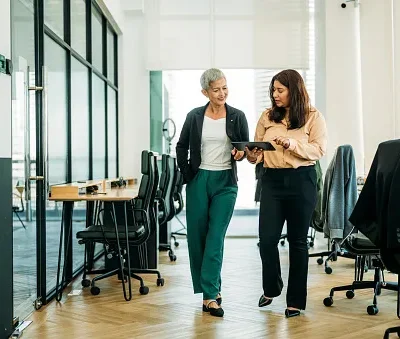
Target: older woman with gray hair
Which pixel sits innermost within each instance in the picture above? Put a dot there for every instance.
(208, 165)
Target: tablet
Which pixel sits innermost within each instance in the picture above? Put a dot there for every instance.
(265, 145)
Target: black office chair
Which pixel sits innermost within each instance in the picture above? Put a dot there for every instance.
(377, 211)
(178, 206)
(376, 214)
(118, 238)
(153, 212)
(362, 249)
(166, 202)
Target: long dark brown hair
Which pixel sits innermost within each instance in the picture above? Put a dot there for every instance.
(299, 101)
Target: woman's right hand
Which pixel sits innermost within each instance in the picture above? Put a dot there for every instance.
(253, 154)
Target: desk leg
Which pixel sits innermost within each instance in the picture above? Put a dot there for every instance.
(121, 262)
(91, 214)
(65, 236)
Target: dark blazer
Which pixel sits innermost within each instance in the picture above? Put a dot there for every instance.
(377, 211)
(188, 148)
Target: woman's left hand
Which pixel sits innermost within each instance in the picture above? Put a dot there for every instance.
(284, 142)
(237, 155)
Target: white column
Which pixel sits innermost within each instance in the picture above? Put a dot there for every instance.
(134, 89)
(377, 74)
(343, 83)
(320, 64)
(396, 65)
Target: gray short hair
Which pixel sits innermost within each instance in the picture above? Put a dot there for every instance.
(210, 75)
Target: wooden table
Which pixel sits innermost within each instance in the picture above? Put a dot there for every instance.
(70, 193)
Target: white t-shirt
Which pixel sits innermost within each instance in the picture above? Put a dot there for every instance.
(215, 145)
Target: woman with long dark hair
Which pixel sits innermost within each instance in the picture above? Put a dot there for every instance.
(298, 132)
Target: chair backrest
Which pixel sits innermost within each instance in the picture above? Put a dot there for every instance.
(168, 165)
(154, 168)
(146, 182)
(172, 176)
(178, 191)
(143, 201)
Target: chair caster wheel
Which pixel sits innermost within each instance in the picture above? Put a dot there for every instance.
(311, 243)
(320, 261)
(328, 301)
(143, 290)
(372, 309)
(328, 270)
(176, 244)
(85, 282)
(160, 282)
(172, 256)
(95, 290)
(350, 294)
(37, 304)
(283, 242)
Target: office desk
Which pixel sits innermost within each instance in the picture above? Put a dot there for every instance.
(68, 194)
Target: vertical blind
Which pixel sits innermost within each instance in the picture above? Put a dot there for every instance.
(252, 34)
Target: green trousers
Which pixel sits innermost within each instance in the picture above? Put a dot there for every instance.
(210, 200)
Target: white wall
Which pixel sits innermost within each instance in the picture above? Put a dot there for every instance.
(134, 83)
(396, 64)
(377, 75)
(343, 83)
(134, 86)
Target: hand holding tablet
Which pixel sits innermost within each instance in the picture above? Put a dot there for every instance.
(260, 145)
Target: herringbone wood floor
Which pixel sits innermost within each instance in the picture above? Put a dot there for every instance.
(172, 311)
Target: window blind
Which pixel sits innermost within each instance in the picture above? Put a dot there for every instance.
(247, 34)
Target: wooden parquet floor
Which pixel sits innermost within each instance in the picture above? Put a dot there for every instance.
(173, 311)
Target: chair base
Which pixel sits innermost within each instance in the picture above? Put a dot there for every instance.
(392, 330)
(167, 247)
(143, 289)
(377, 284)
(331, 255)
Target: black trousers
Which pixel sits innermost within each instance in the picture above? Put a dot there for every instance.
(287, 194)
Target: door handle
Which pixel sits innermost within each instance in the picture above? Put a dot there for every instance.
(35, 88)
(37, 177)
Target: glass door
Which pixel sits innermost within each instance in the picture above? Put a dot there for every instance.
(24, 157)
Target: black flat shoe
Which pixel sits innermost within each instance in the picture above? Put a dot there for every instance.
(263, 301)
(219, 301)
(216, 312)
(291, 313)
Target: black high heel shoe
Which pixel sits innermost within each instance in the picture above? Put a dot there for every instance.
(263, 301)
(291, 313)
(216, 312)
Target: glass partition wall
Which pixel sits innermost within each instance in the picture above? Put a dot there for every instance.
(64, 105)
